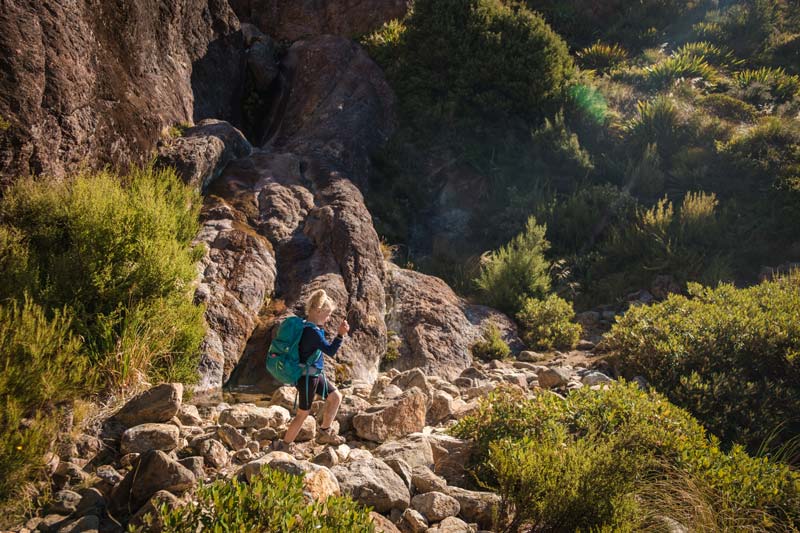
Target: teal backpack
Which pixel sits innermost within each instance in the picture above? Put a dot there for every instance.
(283, 356)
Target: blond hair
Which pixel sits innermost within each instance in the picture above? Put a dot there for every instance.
(319, 301)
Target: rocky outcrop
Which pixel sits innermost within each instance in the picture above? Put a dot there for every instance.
(203, 151)
(294, 20)
(298, 192)
(436, 328)
(97, 82)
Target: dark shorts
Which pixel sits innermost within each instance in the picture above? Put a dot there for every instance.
(316, 385)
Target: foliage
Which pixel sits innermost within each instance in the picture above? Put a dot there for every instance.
(42, 366)
(588, 461)
(475, 58)
(679, 66)
(730, 356)
(4, 124)
(658, 122)
(117, 253)
(716, 55)
(730, 108)
(273, 501)
(547, 324)
(492, 346)
(602, 57)
(517, 270)
(780, 86)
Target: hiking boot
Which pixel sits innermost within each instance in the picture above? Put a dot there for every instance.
(329, 436)
(281, 446)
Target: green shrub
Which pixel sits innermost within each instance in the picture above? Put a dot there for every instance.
(713, 54)
(517, 270)
(547, 324)
(602, 57)
(475, 58)
(727, 355)
(588, 461)
(492, 346)
(768, 154)
(775, 82)
(42, 366)
(730, 108)
(659, 122)
(679, 66)
(4, 124)
(273, 501)
(116, 251)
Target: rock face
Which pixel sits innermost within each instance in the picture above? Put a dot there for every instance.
(203, 151)
(298, 193)
(295, 20)
(96, 82)
(436, 327)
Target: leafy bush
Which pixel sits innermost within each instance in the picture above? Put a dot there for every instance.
(547, 324)
(475, 58)
(492, 346)
(602, 57)
(117, 253)
(730, 108)
(679, 66)
(42, 366)
(273, 501)
(713, 54)
(588, 461)
(659, 122)
(517, 270)
(729, 356)
(779, 85)
(768, 154)
(4, 124)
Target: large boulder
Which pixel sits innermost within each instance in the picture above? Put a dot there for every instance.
(237, 275)
(372, 482)
(477, 507)
(436, 328)
(155, 471)
(246, 415)
(203, 151)
(97, 83)
(145, 437)
(158, 404)
(435, 506)
(414, 449)
(394, 419)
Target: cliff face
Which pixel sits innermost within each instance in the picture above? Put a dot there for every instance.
(94, 81)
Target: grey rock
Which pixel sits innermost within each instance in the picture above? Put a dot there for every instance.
(158, 404)
(145, 437)
(372, 482)
(435, 506)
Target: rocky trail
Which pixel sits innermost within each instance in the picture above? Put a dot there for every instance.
(398, 458)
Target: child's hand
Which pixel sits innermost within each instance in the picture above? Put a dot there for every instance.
(344, 328)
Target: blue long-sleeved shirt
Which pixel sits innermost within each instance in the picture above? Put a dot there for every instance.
(313, 339)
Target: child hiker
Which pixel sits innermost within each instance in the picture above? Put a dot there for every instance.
(318, 310)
